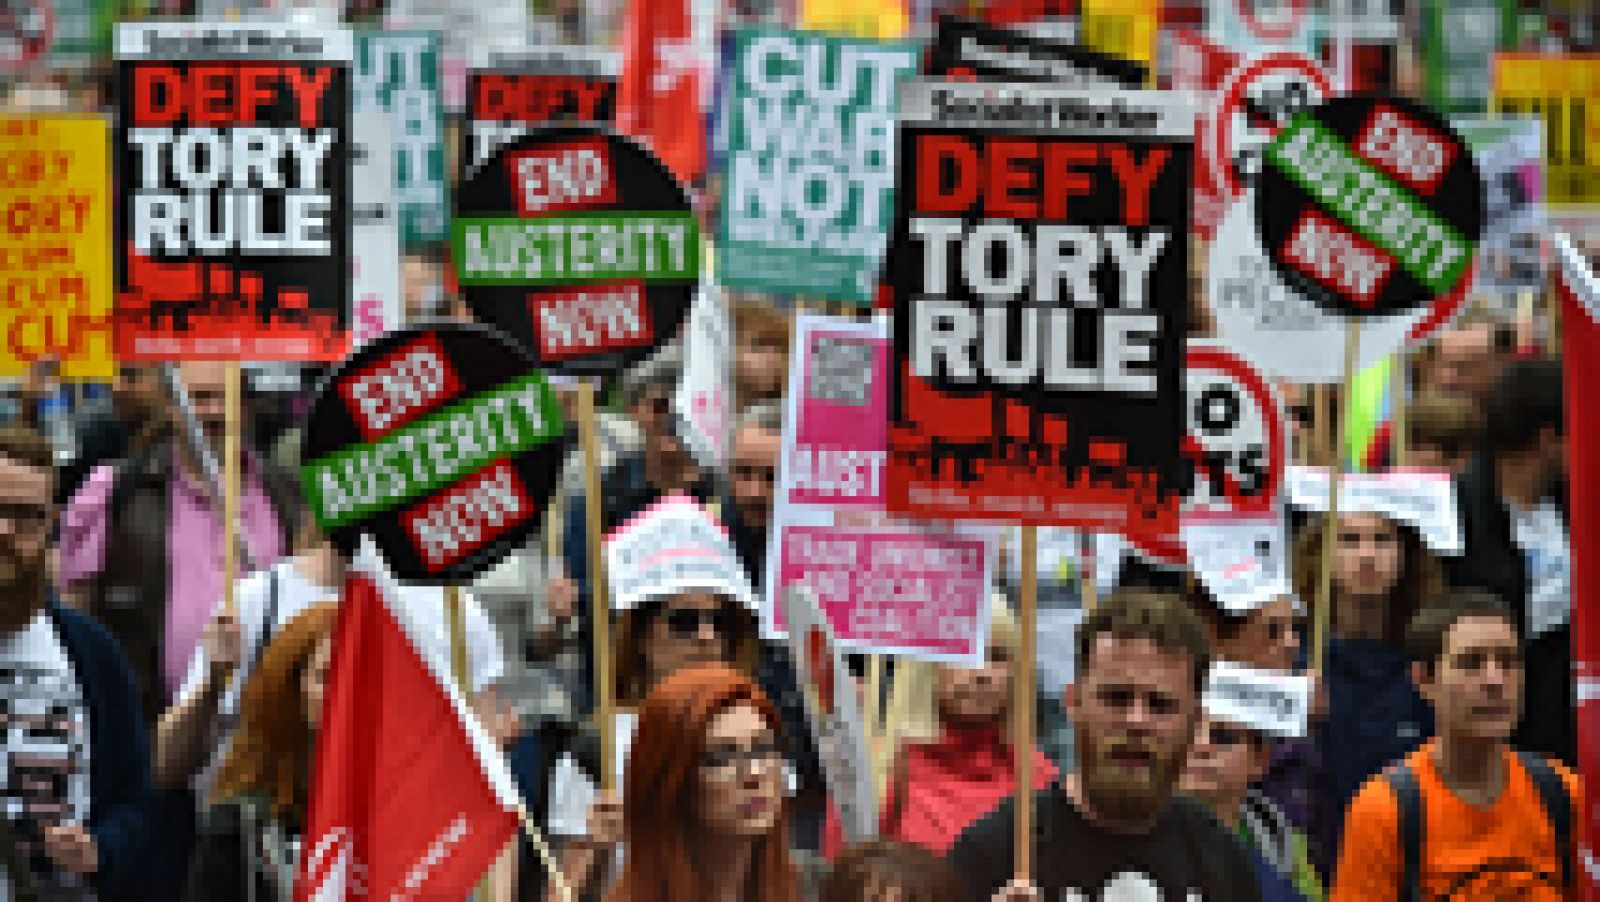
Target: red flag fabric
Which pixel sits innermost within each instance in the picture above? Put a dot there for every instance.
(1579, 288)
(409, 798)
(658, 96)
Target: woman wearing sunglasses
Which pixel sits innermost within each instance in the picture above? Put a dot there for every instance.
(651, 642)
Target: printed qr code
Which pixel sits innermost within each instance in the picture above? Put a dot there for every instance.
(840, 371)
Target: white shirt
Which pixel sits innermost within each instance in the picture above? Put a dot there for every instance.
(295, 593)
(1542, 536)
(44, 748)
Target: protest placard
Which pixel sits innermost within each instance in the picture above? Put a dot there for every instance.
(509, 90)
(1510, 155)
(1458, 41)
(1037, 273)
(671, 547)
(1241, 559)
(1425, 499)
(579, 244)
(810, 162)
(442, 443)
(964, 48)
(398, 72)
(374, 230)
(704, 399)
(886, 585)
(1277, 704)
(1564, 91)
(55, 258)
(233, 225)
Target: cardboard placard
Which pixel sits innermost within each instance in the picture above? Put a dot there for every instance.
(1564, 91)
(886, 585)
(508, 91)
(579, 244)
(1425, 499)
(233, 226)
(1242, 559)
(374, 230)
(671, 547)
(704, 401)
(965, 48)
(1510, 155)
(398, 72)
(441, 442)
(1266, 701)
(809, 137)
(55, 260)
(1037, 271)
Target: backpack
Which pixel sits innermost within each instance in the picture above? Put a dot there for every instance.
(1408, 801)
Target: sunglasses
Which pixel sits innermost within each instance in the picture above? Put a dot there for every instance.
(686, 623)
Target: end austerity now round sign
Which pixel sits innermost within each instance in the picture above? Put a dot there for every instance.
(581, 245)
(442, 442)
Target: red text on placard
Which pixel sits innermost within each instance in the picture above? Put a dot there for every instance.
(400, 386)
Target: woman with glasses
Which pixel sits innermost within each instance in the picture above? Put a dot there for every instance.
(651, 642)
(705, 786)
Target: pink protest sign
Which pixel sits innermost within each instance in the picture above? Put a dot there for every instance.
(887, 585)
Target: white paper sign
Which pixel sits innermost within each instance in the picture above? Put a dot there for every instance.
(375, 229)
(833, 714)
(1241, 559)
(1266, 701)
(703, 402)
(671, 547)
(1423, 499)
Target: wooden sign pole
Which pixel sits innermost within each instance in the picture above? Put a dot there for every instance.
(1330, 527)
(232, 402)
(599, 597)
(1022, 698)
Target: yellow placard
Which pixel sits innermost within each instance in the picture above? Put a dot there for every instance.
(1125, 28)
(1563, 90)
(880, 20)
(55, 244)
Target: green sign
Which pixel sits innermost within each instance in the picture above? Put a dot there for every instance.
(397, 72)
(1459, 41)
(1369, 201)
(575, 249)
(808, 193)
(431, 452)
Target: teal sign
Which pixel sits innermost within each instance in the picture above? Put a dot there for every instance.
(397, 72)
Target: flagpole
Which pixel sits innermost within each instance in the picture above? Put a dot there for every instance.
(1022, 693)
(1330, 526)
(232, 389)
(599, 598)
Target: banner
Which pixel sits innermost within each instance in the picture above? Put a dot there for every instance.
(1578, 287)
(409, 797)
(1565, 92)
(1266, 701)
(510, 90)
(374, 231)
(1424, 499)
(964, 48)
(704, 402)
(579, 244)
(397, 72)
(442, 444)
(810, 167)
(658, 98)
(1459, 41)
(1511, 256)
(671, 547)
(886, 586)
(55, 261)
(1038, 273)
(233, 225)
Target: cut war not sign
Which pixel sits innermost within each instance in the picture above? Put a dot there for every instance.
(233, 226)
(1037, 270)
(397, 72)
(886, 585)
(511, 90)
(1367, 213)
(579, 244)
(810, 162)
(55, 262)
(442, 443)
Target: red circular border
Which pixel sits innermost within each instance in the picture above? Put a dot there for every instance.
(1232, 88)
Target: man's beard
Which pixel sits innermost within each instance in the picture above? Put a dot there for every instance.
(21, 588)
(1128, 795)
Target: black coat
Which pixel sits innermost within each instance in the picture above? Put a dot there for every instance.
(1492, 561)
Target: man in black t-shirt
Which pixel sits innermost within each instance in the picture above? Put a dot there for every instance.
(1113, 831)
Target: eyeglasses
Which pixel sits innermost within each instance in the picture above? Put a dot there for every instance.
(24, 517)
(725, 763)
(685, 623)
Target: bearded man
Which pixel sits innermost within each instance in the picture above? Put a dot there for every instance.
(1114, 830)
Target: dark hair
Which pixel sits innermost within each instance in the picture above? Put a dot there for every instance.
(26, 445)
(1162, 617)
(1526, 401)
(865, 871)
(1421, 578)
(1430, 629)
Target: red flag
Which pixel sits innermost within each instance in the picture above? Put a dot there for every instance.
(1579, 288)
(409, 798)
(658, 97)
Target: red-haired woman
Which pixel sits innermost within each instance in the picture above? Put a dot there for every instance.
(249, 842)
(704, 817)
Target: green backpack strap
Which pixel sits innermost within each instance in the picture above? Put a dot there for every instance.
(1557, 807)
(1408, 821)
